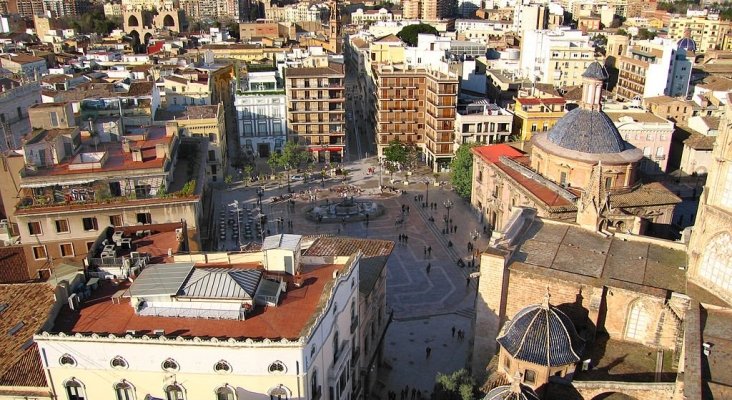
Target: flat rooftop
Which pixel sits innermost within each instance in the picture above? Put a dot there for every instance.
(117, 158)
(617, 360)
(569, 252)
(187, 113)
(290, 319)
(717, 331)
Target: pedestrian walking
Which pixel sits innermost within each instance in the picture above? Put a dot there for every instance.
(429, 267)
(425, 251)
(407, 209)
(414, 393)
(428, 350)
(467, 282)
(429, 251)
(453, 331)
(406, 239)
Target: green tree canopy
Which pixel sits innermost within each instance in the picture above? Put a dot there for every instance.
(291, 157)
(93, 22)
(461, 170)
(398, 153)
(409, 33)
(458, 385)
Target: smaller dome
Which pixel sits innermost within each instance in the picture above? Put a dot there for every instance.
(596, 71)
(514, 391)
(587, 131)
(687, 44)
(543, 335)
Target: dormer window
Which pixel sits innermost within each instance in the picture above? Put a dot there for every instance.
(67, 361)
(170, 365)
(222, 367)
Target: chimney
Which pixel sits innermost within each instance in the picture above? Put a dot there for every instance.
(161, 150)
(171, 128)
(125, 146)
(136, 154)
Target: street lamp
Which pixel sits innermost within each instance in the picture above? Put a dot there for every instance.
(426, 193)
(260, 193)
(448, 205)
(235, 204)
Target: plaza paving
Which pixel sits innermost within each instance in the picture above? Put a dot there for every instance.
(426, 305)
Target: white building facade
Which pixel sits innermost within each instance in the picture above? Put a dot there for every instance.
(261, 113)
(557, 57)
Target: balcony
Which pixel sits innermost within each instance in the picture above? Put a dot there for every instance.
(339, 360)
(354, 323)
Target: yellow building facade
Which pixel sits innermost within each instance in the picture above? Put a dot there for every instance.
(533, 114)
(709, 34)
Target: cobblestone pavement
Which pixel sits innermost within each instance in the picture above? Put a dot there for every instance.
(426, 304)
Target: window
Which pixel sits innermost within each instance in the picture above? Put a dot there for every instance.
(507, 363)
(608, 183)
(115, 220)
(67, 361)
(34, 228)
(90, 224)
(54, 119)
(563, 178)
(222, 367)
(170, 365)
(124, 391)
(39, 252)
(277, 367)
(225, 393)
(529, 376)
(62, 226)
(638, 321)
(67, 249)
(335, 347)
(74, 390)
(174, 392)
(715, 266)
(118, 362)
(144, 218)
(89, 246)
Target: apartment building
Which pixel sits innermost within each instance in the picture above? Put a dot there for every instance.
(16, 97)
(261, 111)
(645, 131)
(482, 122)
(360, 16)
(24, 65)
(416, 105)
(428, 10)
(556, 57)
(278, 323)
(532, 114)
(299, 12)
(653, 68)
(71, 183)
(707, 31)
(206, 122)
(316, 110)
(670, 108)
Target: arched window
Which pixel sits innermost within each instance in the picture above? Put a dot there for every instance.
(277, 367)
(638, 321)
(225, 393)
(716, 267)
(124, 391)
(222, 367)
(278, 393)
(118, 362)
(170, 365)
(74, 390)
(67, 361)
(174, 392)
(335, 347)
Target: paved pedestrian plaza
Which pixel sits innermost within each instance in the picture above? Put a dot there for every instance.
(427, 302)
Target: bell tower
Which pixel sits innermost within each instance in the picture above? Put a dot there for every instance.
(334, 38)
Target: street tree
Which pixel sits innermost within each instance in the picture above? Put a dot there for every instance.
(461, 170)
(458, 385)
(409, 34)
(397, 155)
(290, 158)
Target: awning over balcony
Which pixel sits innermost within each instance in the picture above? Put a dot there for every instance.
(325, 148)
(64, 183)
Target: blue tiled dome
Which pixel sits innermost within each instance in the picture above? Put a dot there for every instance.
(543, 335)
(596, 71)
(507, 392)
(587, 131)
(687, 44)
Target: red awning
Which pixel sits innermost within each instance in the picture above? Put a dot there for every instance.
(325, 149)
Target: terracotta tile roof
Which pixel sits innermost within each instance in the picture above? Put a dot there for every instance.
(527, 101)
(23, 58)
(332, 69)
(716, 83)
(493, 152)
(390, 38)
(28, 307)
(542, 192)
(27, 371)
(343, 246)
(646, 195)
(290, 319)
(187, 112)
(13, 266)
(697, 141)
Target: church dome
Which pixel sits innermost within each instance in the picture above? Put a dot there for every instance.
(596, 71)
(687, 44)
(514, 391)
(542, 334)
(587, 131)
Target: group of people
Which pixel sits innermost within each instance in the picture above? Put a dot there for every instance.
(404, 394)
